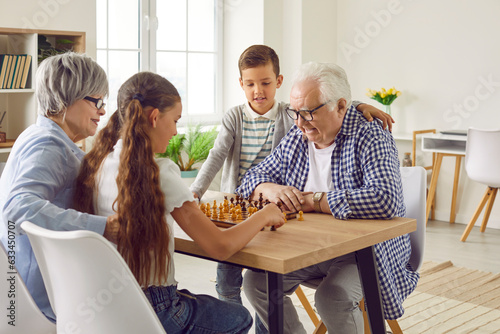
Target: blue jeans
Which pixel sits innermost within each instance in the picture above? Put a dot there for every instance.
(180, 311)
(228, 286)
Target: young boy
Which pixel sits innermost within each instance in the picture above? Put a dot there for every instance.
(249, 132)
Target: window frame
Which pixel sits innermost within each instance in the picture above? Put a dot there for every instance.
(147, 50)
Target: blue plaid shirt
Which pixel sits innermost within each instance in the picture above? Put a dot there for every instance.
(367, 184)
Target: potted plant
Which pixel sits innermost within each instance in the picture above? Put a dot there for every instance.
(45, 49)
(189, 148)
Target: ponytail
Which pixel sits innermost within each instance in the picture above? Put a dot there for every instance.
(140, 202)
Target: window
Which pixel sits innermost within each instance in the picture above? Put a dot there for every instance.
(178, 39)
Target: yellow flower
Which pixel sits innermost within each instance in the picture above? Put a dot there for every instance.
(386, 97)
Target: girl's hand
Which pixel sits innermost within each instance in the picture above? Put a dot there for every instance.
(272, 215)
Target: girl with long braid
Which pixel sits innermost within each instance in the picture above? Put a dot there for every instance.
(121, 176)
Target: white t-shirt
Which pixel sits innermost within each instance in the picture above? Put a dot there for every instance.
(320, 168)
(175, 191)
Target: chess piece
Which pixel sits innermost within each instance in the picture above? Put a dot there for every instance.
(301, 216)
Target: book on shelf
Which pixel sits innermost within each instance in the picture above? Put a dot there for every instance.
(7, 71)
(26, 71)
(14, 70)
(3, 66)
(19, 74)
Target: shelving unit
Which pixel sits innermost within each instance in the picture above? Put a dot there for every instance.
(20, 104)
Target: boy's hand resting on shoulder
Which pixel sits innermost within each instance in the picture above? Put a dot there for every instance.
(272, 215)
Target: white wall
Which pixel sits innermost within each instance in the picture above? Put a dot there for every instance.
(443, 55)
(75, 15)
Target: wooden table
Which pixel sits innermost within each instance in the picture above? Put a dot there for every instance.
(444, 146)
(299, 244)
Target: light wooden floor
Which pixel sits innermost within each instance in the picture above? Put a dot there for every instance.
(480, 251)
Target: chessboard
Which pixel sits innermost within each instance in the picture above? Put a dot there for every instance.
(234, 210)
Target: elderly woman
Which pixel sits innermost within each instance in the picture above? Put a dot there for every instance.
(37, 183)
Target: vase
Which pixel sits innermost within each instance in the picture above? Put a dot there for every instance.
(387, 109)
(189, 176)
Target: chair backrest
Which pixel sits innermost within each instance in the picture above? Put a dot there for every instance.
(482, 156)
(90, 287)
(414, 180)
(22, 314)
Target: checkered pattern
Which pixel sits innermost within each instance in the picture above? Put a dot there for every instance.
(367, 184)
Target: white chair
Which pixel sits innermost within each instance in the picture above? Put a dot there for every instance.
(414, 180)
(27, 317)
(90, 287)
(482, 164)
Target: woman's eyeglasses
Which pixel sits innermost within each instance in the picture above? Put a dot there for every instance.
(99, 103)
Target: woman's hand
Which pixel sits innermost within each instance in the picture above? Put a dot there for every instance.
(112, 228)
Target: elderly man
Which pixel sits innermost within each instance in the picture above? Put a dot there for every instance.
(334, 161)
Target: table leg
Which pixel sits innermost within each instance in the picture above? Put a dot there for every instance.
(367, 267)
(455, 189)
(275, 302)
(432, 188)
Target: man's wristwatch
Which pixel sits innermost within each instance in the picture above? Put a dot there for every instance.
(316, 200)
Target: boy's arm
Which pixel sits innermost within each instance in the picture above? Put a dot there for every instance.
(216, 157)
(369, 112)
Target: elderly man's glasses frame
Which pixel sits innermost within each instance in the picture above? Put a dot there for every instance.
(307, 115)
(99, 103)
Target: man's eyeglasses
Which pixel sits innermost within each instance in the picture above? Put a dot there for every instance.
(307, 115)
(98, 102)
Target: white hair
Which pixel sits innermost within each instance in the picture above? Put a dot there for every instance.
(63, 79)
(332, 80)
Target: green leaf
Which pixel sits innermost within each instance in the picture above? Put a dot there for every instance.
(195, 143)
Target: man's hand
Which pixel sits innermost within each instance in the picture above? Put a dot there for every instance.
(112, 228)
(291, 197)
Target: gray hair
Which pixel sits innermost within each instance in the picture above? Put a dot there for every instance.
(332, 80)
(63, 79)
